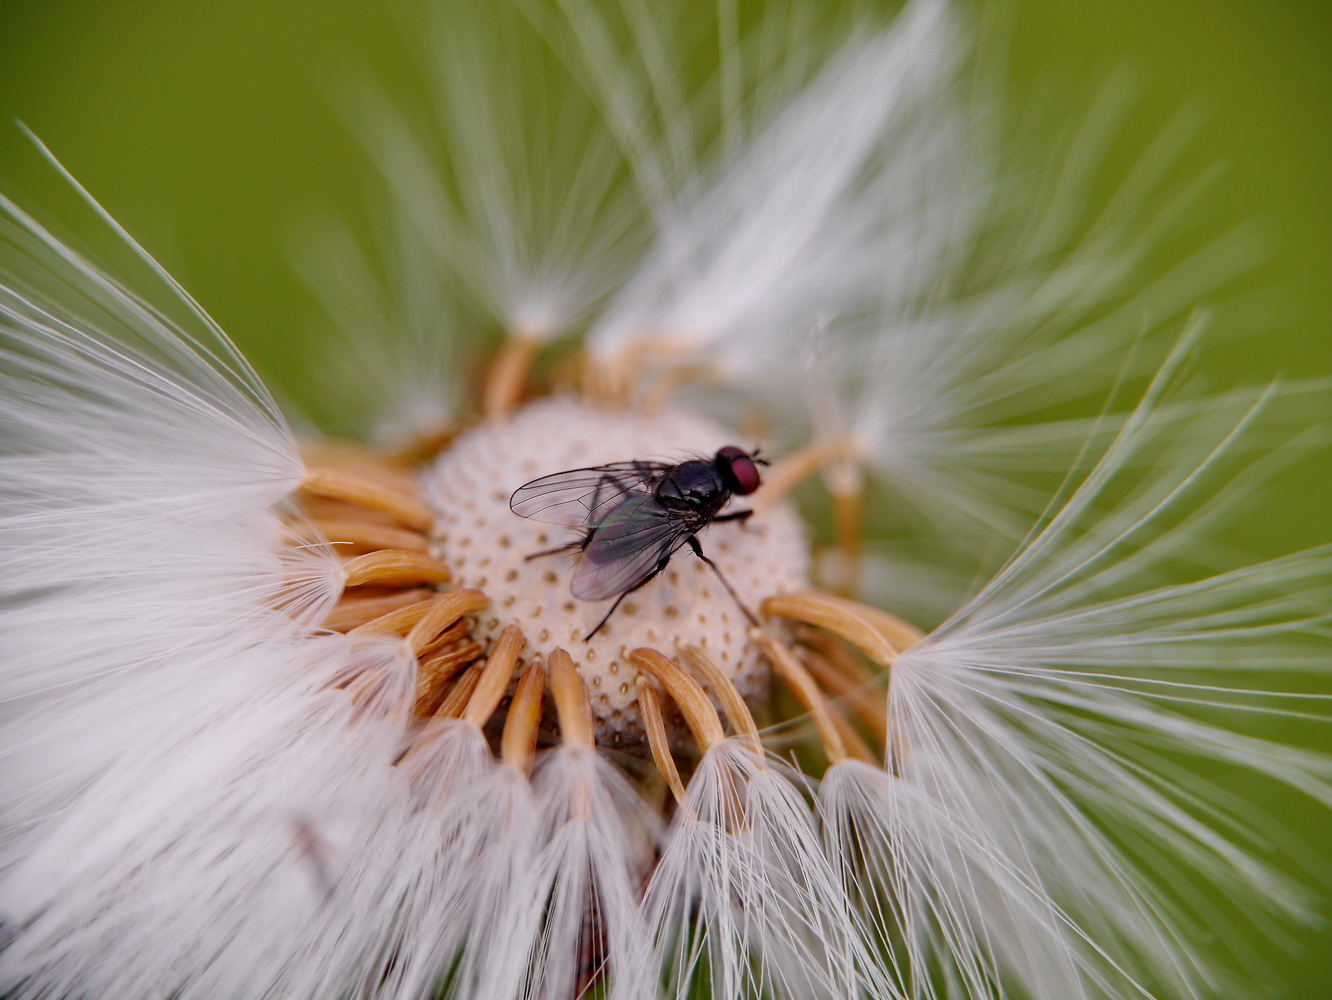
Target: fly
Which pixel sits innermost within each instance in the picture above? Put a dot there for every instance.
(635, 515)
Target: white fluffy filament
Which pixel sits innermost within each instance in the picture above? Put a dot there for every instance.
(743, 901)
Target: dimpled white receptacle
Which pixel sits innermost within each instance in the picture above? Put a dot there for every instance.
(488, 546)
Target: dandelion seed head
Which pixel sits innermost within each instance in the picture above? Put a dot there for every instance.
(326, 720)
(487, 546)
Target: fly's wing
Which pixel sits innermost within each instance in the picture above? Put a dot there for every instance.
(584, 497)
(626, 547)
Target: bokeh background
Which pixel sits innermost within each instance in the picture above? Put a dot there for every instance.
(211, 132)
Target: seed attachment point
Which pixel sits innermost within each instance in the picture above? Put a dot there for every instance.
(857, 623)
(686, 692)
(400, 500)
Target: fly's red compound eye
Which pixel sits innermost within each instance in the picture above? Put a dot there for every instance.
(743, 471)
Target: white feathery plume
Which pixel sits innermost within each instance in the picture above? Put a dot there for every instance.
(183, 775)
(947, 386)
(394, 372)
(582, 907)
(509, 183)
(859, 225)
(496, 959)
(946, 302)
(457, 854)
(945, 916)
(800, 220)
(211, 857)
(1046, 746)
(504, 194)
(743, 899)
(141, 470)
(199, 795)
(920, 412)
(969, 490)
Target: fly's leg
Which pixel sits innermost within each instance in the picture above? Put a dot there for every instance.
(740, 515)
(661, 565)
(576, 545)
(698, 551)
(606, 617)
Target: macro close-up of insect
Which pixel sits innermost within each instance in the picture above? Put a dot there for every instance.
(636, 515)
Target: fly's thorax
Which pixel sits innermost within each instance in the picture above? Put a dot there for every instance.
(694, 486)
(487, 545)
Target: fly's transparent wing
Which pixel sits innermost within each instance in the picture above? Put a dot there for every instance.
(627, 546)
(585, 497)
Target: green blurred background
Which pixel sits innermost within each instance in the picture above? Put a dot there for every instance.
(210, 131)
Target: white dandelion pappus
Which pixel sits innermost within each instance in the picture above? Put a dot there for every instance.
(323, 729)
(116, 439)
(1040, 796)
(541, 221)
(510, 201)
(789, 230)
(743, 897)
(395, 359)
(857, 227)
(560, 218)
(165, 754)
(468, 836)
(597, 845)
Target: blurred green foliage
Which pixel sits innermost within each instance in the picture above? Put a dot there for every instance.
(210, 131)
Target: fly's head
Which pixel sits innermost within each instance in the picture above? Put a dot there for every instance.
(739, 469)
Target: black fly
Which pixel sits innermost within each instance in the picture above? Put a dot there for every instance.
(636, 515)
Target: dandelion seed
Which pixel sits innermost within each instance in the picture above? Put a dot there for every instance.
(307, 721)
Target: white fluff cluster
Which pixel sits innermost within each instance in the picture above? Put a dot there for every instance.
(828, 202)
(857, 246)
(140, 541)
(1059, 811)
(205, 795)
